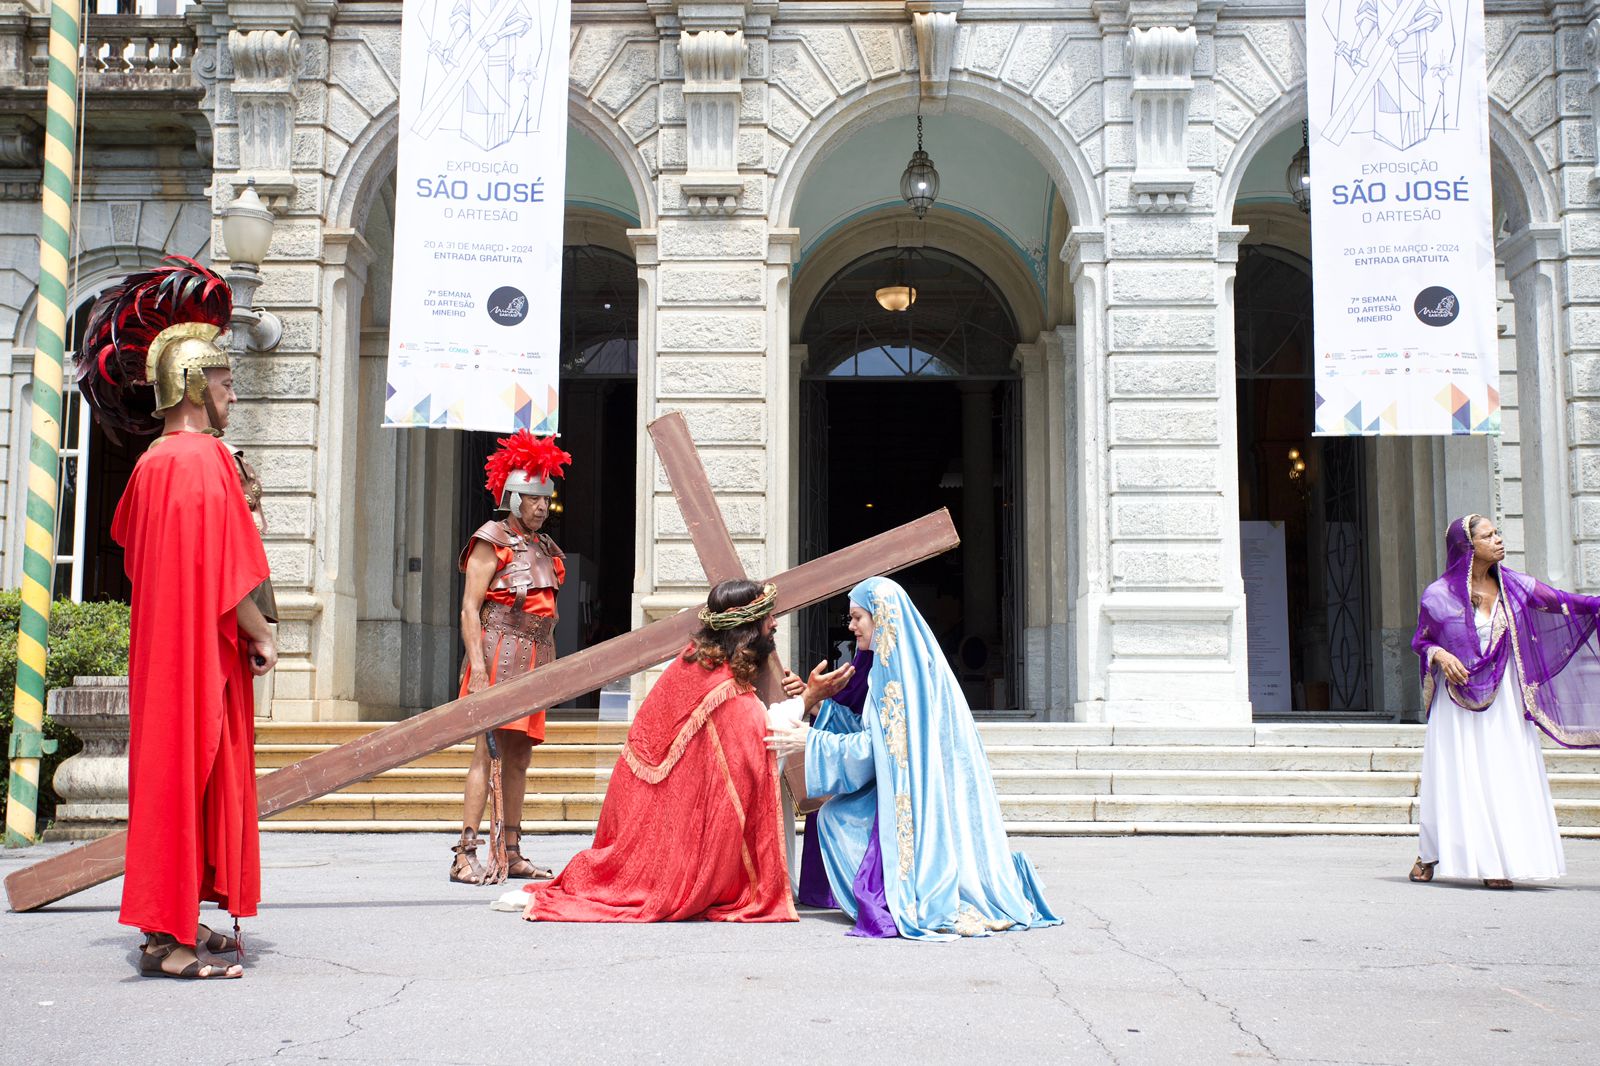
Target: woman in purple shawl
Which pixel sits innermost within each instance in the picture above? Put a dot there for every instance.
(1515, 657)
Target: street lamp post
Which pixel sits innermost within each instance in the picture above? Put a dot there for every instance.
(246, 237)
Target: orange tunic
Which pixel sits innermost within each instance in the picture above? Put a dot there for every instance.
(539, 602)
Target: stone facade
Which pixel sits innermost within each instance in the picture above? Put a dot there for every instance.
(1144, 114)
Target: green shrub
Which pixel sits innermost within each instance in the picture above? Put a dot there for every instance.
(85, 639)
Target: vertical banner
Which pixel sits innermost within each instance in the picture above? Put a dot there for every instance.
(475, 312)
(1401, 218)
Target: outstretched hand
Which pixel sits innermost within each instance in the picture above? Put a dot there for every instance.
(825, 684)
(793, 687)
(788, 738)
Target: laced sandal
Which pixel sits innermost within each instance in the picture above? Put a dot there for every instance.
(465, 869)
(1422, 872)
(1497, 882)
(215, 942)
(517, 865)
(159, 950)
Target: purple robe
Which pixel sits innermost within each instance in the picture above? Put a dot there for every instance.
(1550, 641)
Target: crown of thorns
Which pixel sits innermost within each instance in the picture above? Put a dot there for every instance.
(755, 610)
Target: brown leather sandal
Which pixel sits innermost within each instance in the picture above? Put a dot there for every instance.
(215, 942)
(159, 948)
(519, 867)
(1422, 872)
(1497, 882)
(465, 869)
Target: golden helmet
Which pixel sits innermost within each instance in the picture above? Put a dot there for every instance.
(149, 341)
(179, 357)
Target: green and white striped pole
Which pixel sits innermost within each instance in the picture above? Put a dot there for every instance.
(28, 744)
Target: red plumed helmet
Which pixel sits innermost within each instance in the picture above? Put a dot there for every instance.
(525, 465)
(149, 340)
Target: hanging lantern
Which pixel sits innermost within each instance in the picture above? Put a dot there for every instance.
(919, 185)
(900, 295)
(1298, 176)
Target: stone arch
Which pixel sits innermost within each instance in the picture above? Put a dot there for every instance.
(96, 267)
(969, 238)
(1523, 187)
(1042, 134)
(1283, 113)
(375, 154)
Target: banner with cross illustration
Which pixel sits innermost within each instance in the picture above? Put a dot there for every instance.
(475, 309)
(1402, 238)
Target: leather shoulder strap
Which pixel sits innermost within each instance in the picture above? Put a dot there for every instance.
(492, 532)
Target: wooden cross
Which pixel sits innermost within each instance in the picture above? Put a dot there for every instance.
(812, 582)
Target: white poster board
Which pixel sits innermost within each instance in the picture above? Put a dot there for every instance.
(475, 313)
(1264, 563)
(1401, 218)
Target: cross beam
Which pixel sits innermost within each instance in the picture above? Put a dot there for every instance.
(720, 560)
(812, 582)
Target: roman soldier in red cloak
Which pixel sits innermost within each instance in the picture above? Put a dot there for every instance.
(508, 624)
(151, 364)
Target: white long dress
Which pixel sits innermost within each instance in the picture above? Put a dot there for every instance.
(1486, 807)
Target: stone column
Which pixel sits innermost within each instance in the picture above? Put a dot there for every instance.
(1160, 610)
(1532, 259)
(266, 63)
(713, 314)
(1047, 573)
(978, 591)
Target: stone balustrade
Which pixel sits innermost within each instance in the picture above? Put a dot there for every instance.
(120, 52)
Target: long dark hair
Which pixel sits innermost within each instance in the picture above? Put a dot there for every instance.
(744, 648)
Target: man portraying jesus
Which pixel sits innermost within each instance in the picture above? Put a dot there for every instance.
(691, 826)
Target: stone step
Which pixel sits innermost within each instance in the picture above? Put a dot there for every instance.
(449, 781)
(555, 756)
(333, 734)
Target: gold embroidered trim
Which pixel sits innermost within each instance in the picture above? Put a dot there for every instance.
(886, 627)
(1530, 703)
(904, 833)
(738, 808)
(894, 721)
(657, 773)
(968, 922)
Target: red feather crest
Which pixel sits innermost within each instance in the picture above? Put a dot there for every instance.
(116, 339)
(540, 456)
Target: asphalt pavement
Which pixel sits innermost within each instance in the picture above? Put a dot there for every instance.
(1173, 950)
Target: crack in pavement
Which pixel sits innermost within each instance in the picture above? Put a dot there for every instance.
(1059, 995)
(1233, 1012)
(276, 954)
(350, 1023)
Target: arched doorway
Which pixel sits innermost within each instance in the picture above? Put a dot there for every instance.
(93, 472)
(909, 402)
(1302, 505)
(592, 516)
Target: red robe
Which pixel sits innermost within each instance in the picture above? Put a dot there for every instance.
(691, 826)
(192, 553)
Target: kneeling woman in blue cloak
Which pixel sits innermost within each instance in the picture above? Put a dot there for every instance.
(911, 839)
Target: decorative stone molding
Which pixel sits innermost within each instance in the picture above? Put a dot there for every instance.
(266, 67)
(1162, 61)
(1591, 53)
(713, 66)
(93, 784)
(933, 22)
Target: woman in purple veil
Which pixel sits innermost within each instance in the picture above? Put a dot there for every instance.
(1515, 657)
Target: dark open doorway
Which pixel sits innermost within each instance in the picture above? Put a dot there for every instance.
(592, 516)
(1301, 505)
(909, 404)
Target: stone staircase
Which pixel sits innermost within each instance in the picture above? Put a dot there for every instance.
(1058, 779)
